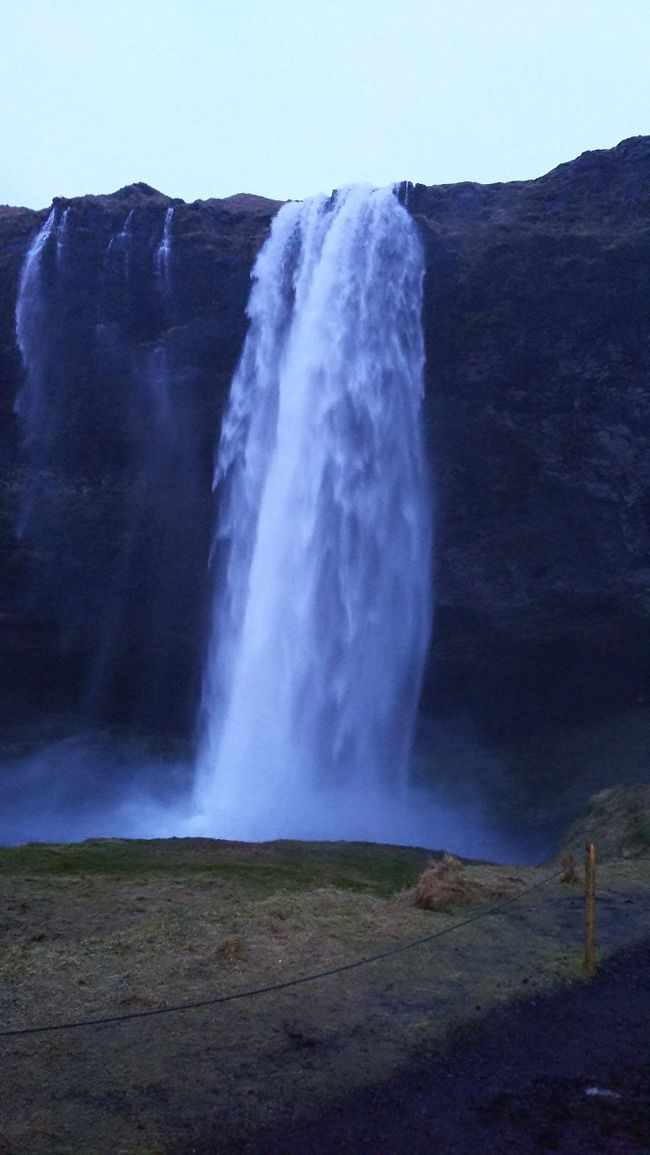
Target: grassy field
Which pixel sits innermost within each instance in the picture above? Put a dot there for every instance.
(112, 927)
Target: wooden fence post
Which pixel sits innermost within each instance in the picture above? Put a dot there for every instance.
(590, 909)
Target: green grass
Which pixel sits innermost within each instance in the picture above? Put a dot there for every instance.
(267, 868)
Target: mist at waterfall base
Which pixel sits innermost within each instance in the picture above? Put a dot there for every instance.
(92, 784)
(321, 557)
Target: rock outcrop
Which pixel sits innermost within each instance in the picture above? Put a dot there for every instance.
(617, 820)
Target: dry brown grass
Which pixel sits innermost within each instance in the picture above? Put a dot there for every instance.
(445, 884)
(231, 948)
(569, 864)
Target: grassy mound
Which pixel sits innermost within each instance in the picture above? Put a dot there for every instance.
(617, 820)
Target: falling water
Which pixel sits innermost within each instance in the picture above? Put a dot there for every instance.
(123, 237)
(29, 312)
(112, 501)
(322, 601)
(61, 235)
(33, 336)
(163, 252)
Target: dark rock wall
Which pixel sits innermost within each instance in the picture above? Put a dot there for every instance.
(537, 326)
(537, 318)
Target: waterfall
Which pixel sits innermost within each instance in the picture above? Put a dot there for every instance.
(61, 235)
(30, 309)
(33, 335)
(122, 239)
(322, 553)
(112, 502)
(163, 253)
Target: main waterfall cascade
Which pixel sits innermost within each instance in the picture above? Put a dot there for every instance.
(323, 544)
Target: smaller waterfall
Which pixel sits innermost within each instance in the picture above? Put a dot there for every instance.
(155, 378)
(111, 494)
(61, 235)
(122, 239)
(163, 252)
(30, 308)
(32, 405)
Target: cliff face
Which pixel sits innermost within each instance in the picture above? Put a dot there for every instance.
(537, 318)
(105, 593)
(537, 328)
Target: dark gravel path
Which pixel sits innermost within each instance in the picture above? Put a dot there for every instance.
(516, 1083)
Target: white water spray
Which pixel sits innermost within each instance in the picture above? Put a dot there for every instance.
(322, 601)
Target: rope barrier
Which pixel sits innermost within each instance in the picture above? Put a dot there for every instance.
(310, 978)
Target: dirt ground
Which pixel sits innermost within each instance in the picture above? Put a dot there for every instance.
(567, 1073)
(113, 927)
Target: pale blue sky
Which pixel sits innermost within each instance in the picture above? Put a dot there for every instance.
(286, 98)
